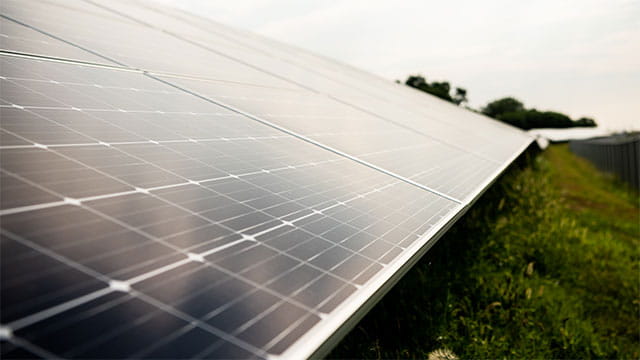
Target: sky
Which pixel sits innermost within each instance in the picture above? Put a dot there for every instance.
(581, 58)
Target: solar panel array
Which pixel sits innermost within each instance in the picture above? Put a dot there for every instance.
(174, 188)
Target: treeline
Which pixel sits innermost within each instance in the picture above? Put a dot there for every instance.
(440, 89)
(508, 109)
(513, 112)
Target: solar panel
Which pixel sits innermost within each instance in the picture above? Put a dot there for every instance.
(439, 163)
(173, 188)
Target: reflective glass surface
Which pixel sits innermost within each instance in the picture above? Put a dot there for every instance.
(202, 225)
(174, 188)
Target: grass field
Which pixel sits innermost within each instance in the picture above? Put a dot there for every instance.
(545, 265)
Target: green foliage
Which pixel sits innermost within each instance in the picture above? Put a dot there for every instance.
(508, 109)
(439, 89)
(531, 119)
(513, 112)
(502, 106)
(545, 265)
(515, 118)
(586, 122)
(460, 96)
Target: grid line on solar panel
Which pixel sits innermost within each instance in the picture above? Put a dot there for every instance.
(28, 144)
(75, 61)
(327, 226)
(235, 58)
(133, 280)
(359, 108)
(441, 139)
(153, 141)
(65, 60)
(97, 34)
(279, 115)
(289, 53)
(132, 296)
(407, 178)
(192, 181)
(276, 226)
(67, 200)
(314, 142)
(292, 216)
(22, 349)
(61, 40)
(138, 189)
(358, 196)
(203, 46)
(432, 156)
(17, 38)
(349, 84)
(315, 212)
(119, 110)
(241, 40)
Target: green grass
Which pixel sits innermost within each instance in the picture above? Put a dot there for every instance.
(545, 265)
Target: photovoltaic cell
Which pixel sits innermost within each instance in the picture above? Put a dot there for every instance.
(149, 205)
(193, 191)
(404, 151)
(22, 39)
(393, 103)
(133, 44)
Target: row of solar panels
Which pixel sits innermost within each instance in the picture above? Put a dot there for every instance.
(174, 188)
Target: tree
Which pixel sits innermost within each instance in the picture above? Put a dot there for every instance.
(513, 112)
(502, 106)
(508, 109)
(441, 89)
(515, 118)
(416, 81)
(531, 119)
(547, 119)
(586, 122)
(460, 96)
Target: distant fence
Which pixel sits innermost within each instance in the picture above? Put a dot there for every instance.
(618, 154)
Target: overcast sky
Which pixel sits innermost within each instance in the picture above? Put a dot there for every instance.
(577, 57)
